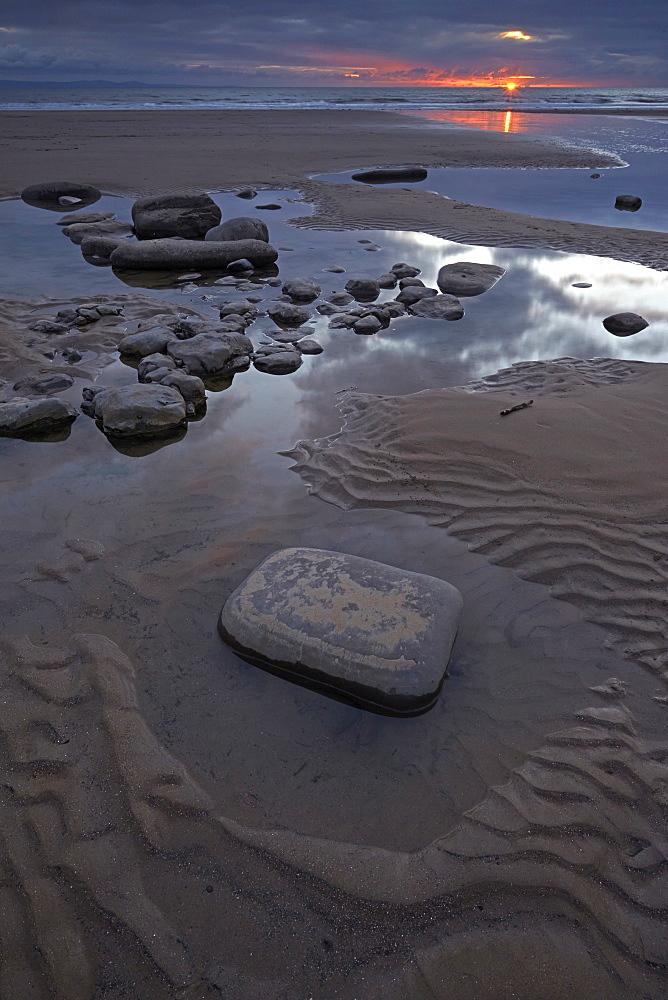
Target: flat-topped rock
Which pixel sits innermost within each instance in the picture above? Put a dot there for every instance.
(466, 278)
(391, 175)
(352, 628)
(190, 255)
(212, 353)
(178, 214)
(21, 417)
(141, 410)
(437, 307)
(57, 195)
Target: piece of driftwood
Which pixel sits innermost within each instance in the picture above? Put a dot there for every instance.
(519, 406)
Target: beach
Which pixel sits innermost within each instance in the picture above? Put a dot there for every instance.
(179, 823)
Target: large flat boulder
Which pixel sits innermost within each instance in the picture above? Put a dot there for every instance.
(180, 214)
(57, 195)
(21, 417)
(352, 628)
(136, 411)
(468, 278)
(190, 255)
(212, 353)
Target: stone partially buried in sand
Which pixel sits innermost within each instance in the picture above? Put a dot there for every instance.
(352, 628)
(468, 278)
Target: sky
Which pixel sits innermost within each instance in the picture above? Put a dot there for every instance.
(340, 42)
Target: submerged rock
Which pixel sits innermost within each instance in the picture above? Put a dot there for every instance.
(78, 217)
(182, 255)
(187, 215)
(57, 195)
(466, 278)
(352, 628)
(140, 410)
(83, 230)
(625, 324)
(391, 175)
(21, 417)
(363, 289)
(242, 228)
(438, 307)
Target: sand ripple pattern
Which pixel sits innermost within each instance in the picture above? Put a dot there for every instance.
(571, 492)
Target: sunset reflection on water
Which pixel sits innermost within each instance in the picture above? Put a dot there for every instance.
(493, 121)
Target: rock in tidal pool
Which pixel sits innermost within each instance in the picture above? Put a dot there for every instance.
(278, 359)
(141, 410)
(352, 628)
(628, 203)
(625, 324)
(78, 217)
(190, 255)
(391, 175)
(301, 289)
(437, 307)
(241, 228)
(247, 193)
(57, 195)
(180, 214)
(363, 289)
(467, 278)
(80, 231)
(287, 314)
(212, 353)
(44, 385)
(23, 417)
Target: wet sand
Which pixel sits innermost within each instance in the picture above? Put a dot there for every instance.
(179, 824)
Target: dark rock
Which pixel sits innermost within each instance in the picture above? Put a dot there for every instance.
(44, 385)
(287, 314)
(100, 247)
(270, 207)
(352, 628)
(466, 278)
(391, 175)
(438, 307)
(301, 289)
(212, 353)
(81, 231)
(340, 298)
(22, 417)
(187, 215)
(395, 309)
(78, 217)
(241, 228)
(139, 410)
(238, 307)
(367, 325)
(309, 346)
(335, 269)
(151, 341)
(48, 195)
(277, 361)
(411, 283)
(247, 193)
(625, 324)
(49, 326)
(344, 321)
(190, 386)
(405, 271)
(152, 362)
(595, 177)
(179, 255)
(329, 309)
(627, 203)
(240, 266)
(363, 289)
(581, 284)
(388, 280)
(413, 294)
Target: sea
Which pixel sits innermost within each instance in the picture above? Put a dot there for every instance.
(118, 97)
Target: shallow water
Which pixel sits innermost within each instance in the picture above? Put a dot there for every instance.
(181, 527)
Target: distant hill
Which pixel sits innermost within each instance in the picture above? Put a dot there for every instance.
(76, 83)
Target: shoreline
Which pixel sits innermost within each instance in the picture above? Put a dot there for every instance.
(139, 152)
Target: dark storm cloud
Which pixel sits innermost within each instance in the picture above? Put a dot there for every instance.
(210, 41)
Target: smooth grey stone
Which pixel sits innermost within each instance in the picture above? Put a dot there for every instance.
(625, 324)
(278, 362)
(288, 336)
(581, 284)
(181, 214)
(413, 294)
(595, 177)
(212, 353)
(381, 314)
(105, 309)
(238, 307)
(309, 346)
(139, 410)
(335, 269)
(391, 175)
(367, 325)
(301, 289)
(234, 323)
(388, 280)
(246, 193)
(329, 309)
(100, 247)
(343, 321)
(190, 386)
(151, 341)
(21, 416)
(156, 374)
(77, 217)
(242, 228)
(48, 195)
(43, 385)
(411, 283)
(352, 628)
(628, 202)
(466, 278)
(437, 307)
(363, 289)
(274, 282)
(395, 309)
(179, 255)
(153, 362)
(79, 232)
(405, 271)
(287, 314)
(270, 207)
